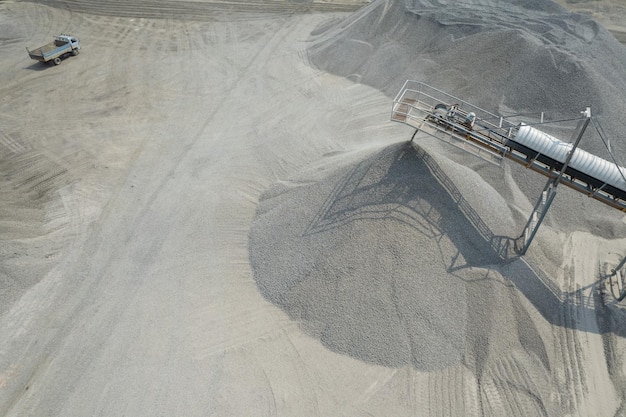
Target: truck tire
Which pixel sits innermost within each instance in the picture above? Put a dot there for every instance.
(57, 61)
(75, 52)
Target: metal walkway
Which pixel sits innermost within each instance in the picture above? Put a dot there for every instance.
(492, 138)
(414, 106)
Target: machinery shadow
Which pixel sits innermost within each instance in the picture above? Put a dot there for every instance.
(38, 66)
(387, 186)
(590, 309)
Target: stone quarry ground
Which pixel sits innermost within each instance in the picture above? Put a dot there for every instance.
(197, 219)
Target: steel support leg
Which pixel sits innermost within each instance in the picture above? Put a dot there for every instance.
(538, 214)
(549, 191)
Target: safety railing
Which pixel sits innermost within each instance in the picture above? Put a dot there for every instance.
(414, 105)
(418, 96)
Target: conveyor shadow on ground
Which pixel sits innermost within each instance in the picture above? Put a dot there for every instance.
(363, 193)
(582, 309)
(366, 300)
(375, 270)
(396, 194)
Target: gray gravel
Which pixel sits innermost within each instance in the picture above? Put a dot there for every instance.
(377, 256)
(509, 57)
(378, 260)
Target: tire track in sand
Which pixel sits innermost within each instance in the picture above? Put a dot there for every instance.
(86, 312)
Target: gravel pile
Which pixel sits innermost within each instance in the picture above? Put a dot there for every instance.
(374, 256)
(508, 57)
(395, 257)
(513, 55)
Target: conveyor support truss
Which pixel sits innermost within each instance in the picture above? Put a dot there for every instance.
(492, 138)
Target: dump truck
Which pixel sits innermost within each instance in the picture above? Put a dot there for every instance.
(62, 46)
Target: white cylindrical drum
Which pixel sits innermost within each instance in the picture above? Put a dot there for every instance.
(594, 166)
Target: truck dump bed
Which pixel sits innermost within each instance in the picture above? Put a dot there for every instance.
(61, 46)
(47, 48)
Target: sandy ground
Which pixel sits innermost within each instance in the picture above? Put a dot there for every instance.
(610, 13)
(196, 220)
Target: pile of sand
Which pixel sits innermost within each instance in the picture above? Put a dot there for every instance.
(396, 257)
(503, 57)
(511, 58)
(379, 256)
(522, 56)
(371, 250)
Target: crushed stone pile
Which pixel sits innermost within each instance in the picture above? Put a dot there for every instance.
(372, 254)
(508, 57)
(396, 257)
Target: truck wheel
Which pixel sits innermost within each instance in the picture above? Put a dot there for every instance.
(57, 61)
(75, 52)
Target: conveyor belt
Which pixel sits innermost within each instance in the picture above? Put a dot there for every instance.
(493, 138)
